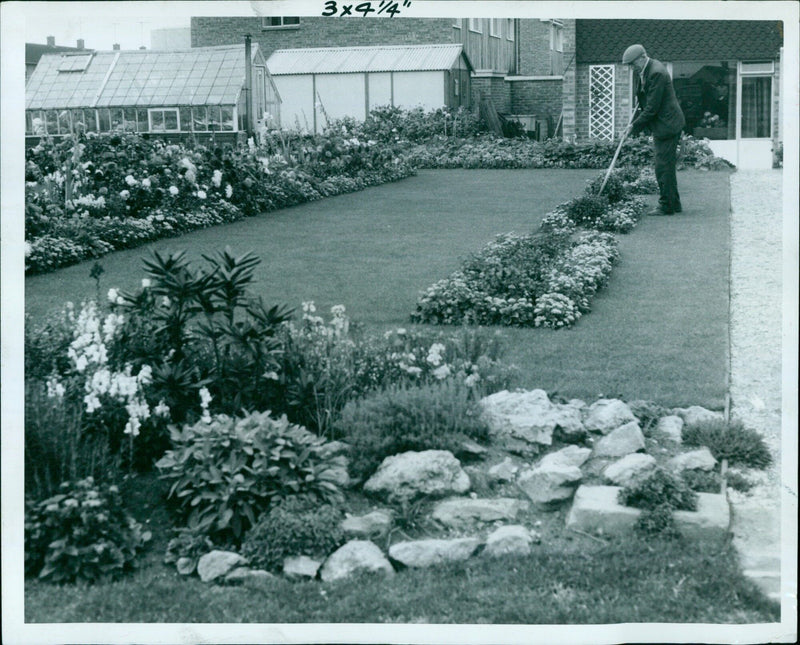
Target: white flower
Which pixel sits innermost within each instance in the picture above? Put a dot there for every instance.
(435, 354)
(205, 397)
(55, 388)
(201, 194)
(166, 301)
(124, 194)
(228, 191)
(173, 190)
(81, 363)
(113, 294)
(129, 179)
(28, 249)
(145, 375)
(216, 179)
(441, 372)
(132, 427)
(162, 409)
(308, 307)
(272, 376)
(472, 379)
(92, 402)
(146, 182)
(146, 283)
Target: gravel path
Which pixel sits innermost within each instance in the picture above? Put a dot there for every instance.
(756, 311)
(755, 370)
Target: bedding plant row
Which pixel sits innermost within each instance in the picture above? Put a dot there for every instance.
(89, 195)
(545, 278)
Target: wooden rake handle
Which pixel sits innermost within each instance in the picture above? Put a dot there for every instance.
(619, 147)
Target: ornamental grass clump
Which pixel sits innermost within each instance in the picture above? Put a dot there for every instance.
(296, 526)
(225, 472)
(732, 441)
(431, 417)
(81, 533)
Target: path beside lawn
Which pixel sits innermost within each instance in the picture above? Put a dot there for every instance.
(657, 331)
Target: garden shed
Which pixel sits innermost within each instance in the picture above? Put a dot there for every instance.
(200, 92)
(334, 82)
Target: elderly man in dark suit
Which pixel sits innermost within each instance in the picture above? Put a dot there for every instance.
(660, 112)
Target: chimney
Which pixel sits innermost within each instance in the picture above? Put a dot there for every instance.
(142, 47)
(51, 41)
(80, 43)
(115, 47)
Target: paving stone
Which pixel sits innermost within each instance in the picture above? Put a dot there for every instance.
(596, 507)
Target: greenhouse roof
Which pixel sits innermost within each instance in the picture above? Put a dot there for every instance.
(144, 78)
(390, 58)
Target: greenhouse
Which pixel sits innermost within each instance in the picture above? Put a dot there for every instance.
(170, 93)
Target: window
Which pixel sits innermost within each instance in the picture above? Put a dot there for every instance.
(457, 23)
(510, 28)
(281, 21)
(74, 63)
(163, 119)
(706, 91)
(475, 25)
(756, 107)
(556, 36)
(494, 27)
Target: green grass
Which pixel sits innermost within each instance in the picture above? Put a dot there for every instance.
(657, 331)
(625, 581)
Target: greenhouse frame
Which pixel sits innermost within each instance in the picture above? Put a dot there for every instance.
(199, 91)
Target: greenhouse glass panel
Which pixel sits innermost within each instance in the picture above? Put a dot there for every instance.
(117, 119)
(28, 122)
(105, 119)
(51, 122)
(186, 119)
(130, 119)
(156, 121)
(171, 120)
(90, 118)
(213, 117)
(142, 124)
(64, 122)
(78, 121)
(199, 119)
(227, 117)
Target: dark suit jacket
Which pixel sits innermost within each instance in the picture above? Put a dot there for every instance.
(658, 105)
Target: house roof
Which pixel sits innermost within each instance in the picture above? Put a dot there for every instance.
(604, 41)
(34, 51)
(392, 58)
(200, 76)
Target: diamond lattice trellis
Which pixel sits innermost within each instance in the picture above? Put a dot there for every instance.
(601, 102)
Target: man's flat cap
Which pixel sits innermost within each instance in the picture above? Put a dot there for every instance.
(632, 53)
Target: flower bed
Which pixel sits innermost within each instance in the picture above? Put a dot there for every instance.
(542, 279)
(87, 197)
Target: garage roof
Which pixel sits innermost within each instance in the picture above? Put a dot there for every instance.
(200, 76)
(391, 58)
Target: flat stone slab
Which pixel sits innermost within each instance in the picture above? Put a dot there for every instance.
(463, 510)
(596, 507)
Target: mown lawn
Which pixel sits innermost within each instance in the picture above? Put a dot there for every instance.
(657, 331)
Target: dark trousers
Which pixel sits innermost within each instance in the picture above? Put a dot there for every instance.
(666, 156)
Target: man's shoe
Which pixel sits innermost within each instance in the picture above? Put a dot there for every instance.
(660, 211)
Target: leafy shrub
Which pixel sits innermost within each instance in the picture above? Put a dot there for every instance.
(659, 488)
(189, 545)
(648, 413)
(703, 481)
(731, 441)
(227, 472)
(614, 189)
(399, 419)
(657, 521)
(588, 210)
(293, 527)
(82, 533)
(555, 310)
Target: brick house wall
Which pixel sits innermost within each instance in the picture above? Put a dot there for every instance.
(494, 87)
(569, 93)
(541, 96)
(534, 55)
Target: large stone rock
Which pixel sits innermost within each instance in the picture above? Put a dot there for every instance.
(508, 540)
(375, 524)
(414, 474)
(569, 422)
(624, 471)
(569, 456)
(605, 415)
(460, 511)
(695, 415)
(549, 484)
(671, 426)
(528, 416)
(217, 563)
(426, 553)
(620, 442)
(356, 556)
(301, 566)
(700, 459)
(596, 508)
(505, 471)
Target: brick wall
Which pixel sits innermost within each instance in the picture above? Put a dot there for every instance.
(322, 32)
(569, 90)
(494, 87)
(540, 97)
(534, 51)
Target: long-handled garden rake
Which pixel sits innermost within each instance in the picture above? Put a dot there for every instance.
(619, 147)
